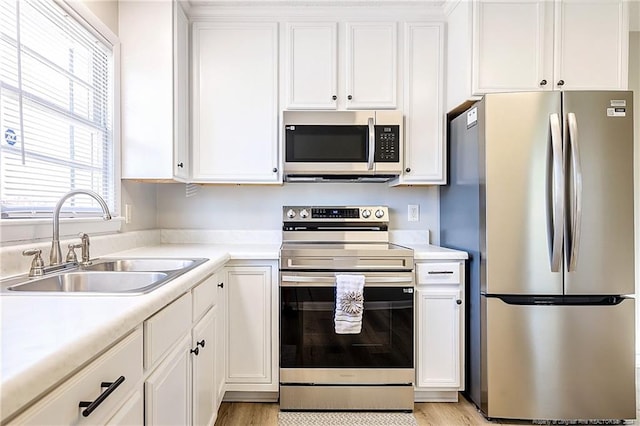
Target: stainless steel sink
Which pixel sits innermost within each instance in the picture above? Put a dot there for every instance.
(140, 265)
(93, 282)
(125, 276)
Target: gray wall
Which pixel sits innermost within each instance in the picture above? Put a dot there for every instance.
(260, 207)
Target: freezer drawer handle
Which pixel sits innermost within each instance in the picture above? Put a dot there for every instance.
(92, 405)
(440, 272)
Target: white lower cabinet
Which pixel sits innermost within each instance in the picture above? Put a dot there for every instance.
(97, 393)
(167, 389)
(439, 330)
(252, 321)
(183, 386)
(131, 412)
(203, 349)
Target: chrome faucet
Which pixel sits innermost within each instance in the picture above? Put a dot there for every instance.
(55, 258)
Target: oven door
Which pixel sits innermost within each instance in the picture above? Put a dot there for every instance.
(312, 352)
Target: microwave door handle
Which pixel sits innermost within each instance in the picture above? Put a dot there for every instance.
(372, 136)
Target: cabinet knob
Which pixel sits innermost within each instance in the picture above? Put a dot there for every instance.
(560, 82)
(195, 351)
(181, 165)
(408, 170)
(543, 82)
(275, 170)
(458, 302)
(334, 97)
(349, 97)
(221, 285)
(201, 343)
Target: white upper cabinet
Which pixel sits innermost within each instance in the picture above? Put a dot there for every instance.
(153, 56)
(311, 68)
(181, 96)
(371, 65)
(513, 46)
(235, 102)
(591, 44)
(541, 45)
(424, 148)
(315, 79)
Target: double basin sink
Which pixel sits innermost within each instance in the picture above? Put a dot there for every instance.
(126, 276)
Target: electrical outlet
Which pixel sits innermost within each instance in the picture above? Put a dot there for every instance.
(128, 212)
(413, 213)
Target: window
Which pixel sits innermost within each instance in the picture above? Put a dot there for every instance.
(56, 111)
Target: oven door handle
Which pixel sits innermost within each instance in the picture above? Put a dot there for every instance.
(322, 281)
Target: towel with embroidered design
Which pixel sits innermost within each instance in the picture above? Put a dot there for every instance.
(349, 304)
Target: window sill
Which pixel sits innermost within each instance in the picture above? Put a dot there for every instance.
(25, 230)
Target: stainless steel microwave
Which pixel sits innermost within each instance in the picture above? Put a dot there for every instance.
(342, 145)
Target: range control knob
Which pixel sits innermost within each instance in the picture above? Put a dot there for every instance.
(304, 213)
(366, 213)
(291, 213)
(379, 213)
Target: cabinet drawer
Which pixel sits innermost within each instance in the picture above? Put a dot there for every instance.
(205, 295)
(438, 273)
(163, 329)
(61, 406)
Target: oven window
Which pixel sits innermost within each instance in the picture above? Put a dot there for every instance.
(308, 338)
(324, 144)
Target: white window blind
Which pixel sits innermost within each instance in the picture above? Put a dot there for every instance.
(56, 107)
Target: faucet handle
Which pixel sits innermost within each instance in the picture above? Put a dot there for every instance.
(37, 264)
(71, 255)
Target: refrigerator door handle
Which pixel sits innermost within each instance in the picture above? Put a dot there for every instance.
(574, 228)
(555, 195)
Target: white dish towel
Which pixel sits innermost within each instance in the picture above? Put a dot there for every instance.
(349, 303)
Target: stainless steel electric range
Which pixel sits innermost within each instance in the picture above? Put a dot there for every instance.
(321, 369)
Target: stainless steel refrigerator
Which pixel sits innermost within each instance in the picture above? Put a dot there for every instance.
(540, 194)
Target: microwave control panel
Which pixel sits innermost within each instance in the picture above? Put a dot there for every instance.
(387, 144)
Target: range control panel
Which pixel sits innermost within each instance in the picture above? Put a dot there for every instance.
(338, 214)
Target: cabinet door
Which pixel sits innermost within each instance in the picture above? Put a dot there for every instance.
(371, 65)
(249, 324)
(591, 44)
(311, 65)
(167, 390)
(146, 89)
(235, 102)
(424, 151)
(181, 97)
(513, 45)
(205, 406)
(221, 351)
(131, 412)
(438, 331)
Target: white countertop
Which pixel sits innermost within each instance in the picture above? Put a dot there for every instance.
(47, 338)
(429, 252)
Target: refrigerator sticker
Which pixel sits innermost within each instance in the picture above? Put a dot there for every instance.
(618, 103)
(472, 117)
(616, 112)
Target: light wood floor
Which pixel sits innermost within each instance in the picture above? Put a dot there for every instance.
(427, 414)
(431, 414)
